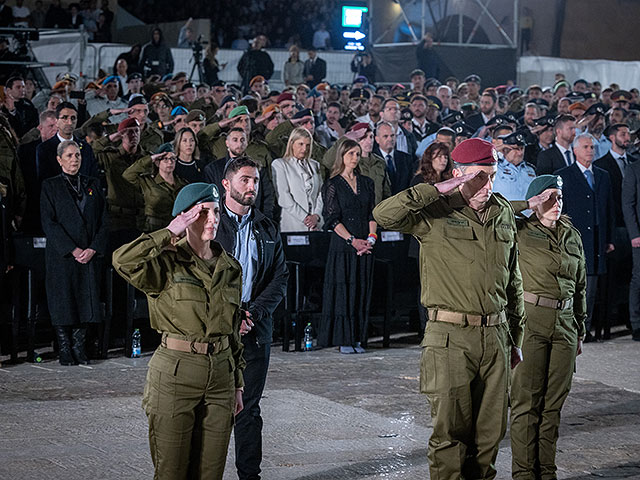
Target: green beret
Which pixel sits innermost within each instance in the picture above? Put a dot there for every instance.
(194, 194)
(241, 110)
(165, 147)
(543, 182)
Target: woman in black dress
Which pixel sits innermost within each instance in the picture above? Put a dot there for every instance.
(349, 199)
(435, 166)
(188, 165)
(74, 219)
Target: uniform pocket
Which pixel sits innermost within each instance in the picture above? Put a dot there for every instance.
(189, 305)
(160, 389)
(570, 261)
(458, 246)
(441, 367)
(505, 237)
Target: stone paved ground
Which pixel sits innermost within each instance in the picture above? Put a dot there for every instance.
(327, 416)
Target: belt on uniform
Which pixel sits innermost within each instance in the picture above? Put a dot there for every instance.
(548, 302)
(123, 210)
(490, 320)
(181, 345)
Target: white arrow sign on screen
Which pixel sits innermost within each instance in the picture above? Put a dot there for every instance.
(355, 35)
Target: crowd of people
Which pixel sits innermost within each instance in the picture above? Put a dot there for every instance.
(148, 167)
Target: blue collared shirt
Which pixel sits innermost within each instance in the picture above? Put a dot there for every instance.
(512, 181)
(245, 251)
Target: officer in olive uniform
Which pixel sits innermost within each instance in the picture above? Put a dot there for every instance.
(157, 192)
(150, 137)
(12, 187)
(554, 279)
(212, 141)
(124, 200)
(194, 383)
(472, 288)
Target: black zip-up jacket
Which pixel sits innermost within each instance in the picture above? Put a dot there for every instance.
(271, 275)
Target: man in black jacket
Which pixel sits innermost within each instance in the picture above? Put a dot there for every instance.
(559, 155)
(255, 242)
(255, 61)
(315, 69)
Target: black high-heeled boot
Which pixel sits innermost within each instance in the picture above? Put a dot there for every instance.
(79, 337)
(65, 357)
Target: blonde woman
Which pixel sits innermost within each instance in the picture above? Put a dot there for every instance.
(298, 184)
(293, 67)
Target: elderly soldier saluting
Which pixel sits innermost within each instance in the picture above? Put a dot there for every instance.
(472, 287)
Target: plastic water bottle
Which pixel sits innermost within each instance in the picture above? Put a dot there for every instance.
(308, 339)
(136, 349)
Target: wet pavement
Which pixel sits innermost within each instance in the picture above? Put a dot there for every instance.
(327, 416)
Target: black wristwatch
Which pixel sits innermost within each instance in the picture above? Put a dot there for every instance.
(350, 240)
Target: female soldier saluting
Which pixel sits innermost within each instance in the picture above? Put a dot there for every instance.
(553, 274)
(194, 383)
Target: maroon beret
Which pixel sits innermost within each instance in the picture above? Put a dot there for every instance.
(475, 151)
(128, 123)
(359, 126)
(283, 97)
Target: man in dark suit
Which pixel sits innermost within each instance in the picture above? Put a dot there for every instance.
(616, 162)
(315, 68)
(589, 203)
(560, 154)
(46, 164)
(487, 111)
(631, 213)
(399, 165)
(27, 156)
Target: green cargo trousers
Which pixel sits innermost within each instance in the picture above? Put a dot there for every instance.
(189, 400)
(465, 373)
(541, 383)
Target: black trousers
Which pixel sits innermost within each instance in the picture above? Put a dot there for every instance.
(248, 429)
(634, 292)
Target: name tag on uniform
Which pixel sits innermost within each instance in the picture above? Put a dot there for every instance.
(187, 279)
(457, 222)
(535, 234)
(297, 240)
(391, 237)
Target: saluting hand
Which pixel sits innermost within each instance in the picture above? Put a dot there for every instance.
(540, 199)
(448, 186)
(178, 225)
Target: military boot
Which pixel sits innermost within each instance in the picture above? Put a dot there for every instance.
(65, 357)
(79, 337)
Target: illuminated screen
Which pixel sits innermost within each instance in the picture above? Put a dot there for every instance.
(352, 16)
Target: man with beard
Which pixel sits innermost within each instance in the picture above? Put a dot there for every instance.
(616, 162)
(531, 113)
(236, 142)
(560, 154)
(421, 126)
(487, 111)
(254, 240)
(375, 107)
(358, 104)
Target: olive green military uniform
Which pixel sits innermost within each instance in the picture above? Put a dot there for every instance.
(189, 398)
(213, 143)
(278, 138)
(158, 194)
(372, 166)
(209, 108)
(553, 274)
(124, 200)
(12, 185)
(150, 137)
(472, 287)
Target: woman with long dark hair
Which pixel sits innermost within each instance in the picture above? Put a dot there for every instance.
(349, 198)
(188, 164)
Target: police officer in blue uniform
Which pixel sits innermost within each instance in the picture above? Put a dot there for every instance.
(514, 174)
